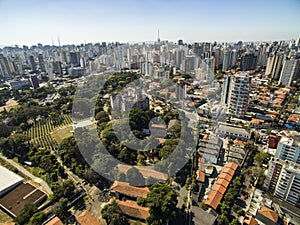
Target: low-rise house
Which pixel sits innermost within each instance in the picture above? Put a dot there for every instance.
(267, 216)
(233, 132)
(133, 210)
(123, 189)
(209, 148)
(293, 122)
(221, 185)
(250, 220)
(86, 218)
(54, 221)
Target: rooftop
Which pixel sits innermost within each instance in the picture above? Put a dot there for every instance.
(145, 171)
(250, 220)
(219, 188)
(236, 130)
(126, 189)
(86, 218)
(54, 221)
(268, 213)
(8, 179)
(132, 209)
(15, 200)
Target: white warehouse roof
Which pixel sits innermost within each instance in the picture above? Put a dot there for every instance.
(8, 180)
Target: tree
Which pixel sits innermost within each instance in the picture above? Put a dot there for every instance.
(113, 215)
(61, 209)
(262, 158)
(162, 202)
(38, 218)
(134, 177)
(222, 220)
(101, 117)
(237, 183)
(225, 209)
(203, 206)
(234, 222)
(25, 214)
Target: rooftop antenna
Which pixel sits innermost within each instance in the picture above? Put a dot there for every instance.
(58, 40)
(158, 39)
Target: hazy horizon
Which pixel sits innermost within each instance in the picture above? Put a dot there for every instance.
(32, 22)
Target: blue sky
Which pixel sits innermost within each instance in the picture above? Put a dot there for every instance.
(40, 21)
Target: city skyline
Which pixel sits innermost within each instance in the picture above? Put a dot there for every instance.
(33, 22)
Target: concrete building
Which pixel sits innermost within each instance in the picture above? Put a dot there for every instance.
(8, 180)
(32, 63)
(34, 81)
(290, 71)
(41, 63)
(283, 180)
(248, 61)
(129, 98)
(226, 60)
(235, 94)
(288, 149)
(5, 72)
(233, 132)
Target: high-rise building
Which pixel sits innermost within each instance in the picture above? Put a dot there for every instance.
(41, 62)
(227, 60)
(290, 71)
(180, 90)
(5, 72)
(288, 149)
(248, 61)
(32, 63)
(57, 68)
(74, 58)
(283, 178)
(274, 65)
(235, 94)
(34, 81)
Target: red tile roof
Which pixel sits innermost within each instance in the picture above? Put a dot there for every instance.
(55, 221)
(213, 200)
(126, 189)
(219, 188)
(132, 209)
(145, 171)
(250, 221)
(86, 218)
(223, 182)
(268, 213)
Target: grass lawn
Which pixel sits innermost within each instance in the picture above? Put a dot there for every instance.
(4, 218)
(61, 133)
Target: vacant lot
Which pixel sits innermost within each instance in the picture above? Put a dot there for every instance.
(9, 105)
(61, 133)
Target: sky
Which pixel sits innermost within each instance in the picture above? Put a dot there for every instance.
(41, 21)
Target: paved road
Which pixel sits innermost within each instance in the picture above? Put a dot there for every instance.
(28, 174)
